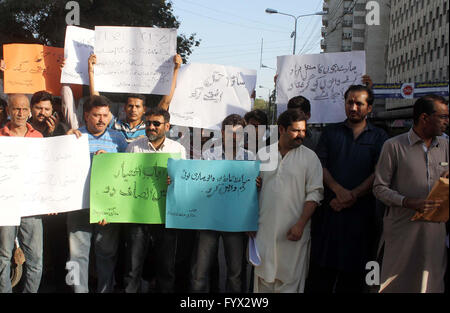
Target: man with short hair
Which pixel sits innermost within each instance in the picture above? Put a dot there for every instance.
(43, 117)
(101, 140)
(288, 197)
(344, 227)
(157, 121)
(312, 135)
(414, 258)
(208, 240)
(29, 233)
(133, 126)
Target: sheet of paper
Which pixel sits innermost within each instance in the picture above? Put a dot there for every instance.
(322, 79)
(439, 191)
(216, 195)
(11, 174)
(31, 68)
(207, 93)
(129, 187)
(53, 173)
(253, 253)
(78, 46)
(134, 59)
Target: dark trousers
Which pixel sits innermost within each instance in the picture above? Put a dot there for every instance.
(165, 247)
(329, 280)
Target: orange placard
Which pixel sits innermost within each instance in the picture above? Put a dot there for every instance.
(31, 68)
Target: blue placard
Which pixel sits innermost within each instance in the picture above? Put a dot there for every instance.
(217, 195)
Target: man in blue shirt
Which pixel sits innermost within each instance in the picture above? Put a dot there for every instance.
(343, 229)
(101, 140)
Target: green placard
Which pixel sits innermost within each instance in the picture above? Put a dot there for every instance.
(129, 187)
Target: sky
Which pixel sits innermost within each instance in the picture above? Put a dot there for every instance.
(231, 32)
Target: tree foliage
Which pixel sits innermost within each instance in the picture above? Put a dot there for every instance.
(44, 21)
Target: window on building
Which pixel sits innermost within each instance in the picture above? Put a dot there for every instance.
(426, 76)
(433, 75)
(446, 49)
(432, 25)
(431, 56)
(440, 74)
(435, 43)
(438, 53)
(440, 20)
(437, 12)
(442, 40)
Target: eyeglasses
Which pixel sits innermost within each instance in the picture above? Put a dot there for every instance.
(155, 123)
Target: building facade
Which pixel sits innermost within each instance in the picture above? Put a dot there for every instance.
(418, 44)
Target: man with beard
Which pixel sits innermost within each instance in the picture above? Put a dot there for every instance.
(157, 122)
(414, 256)
(287, 200)
(344, 230)
(43, 117)
(101, 140)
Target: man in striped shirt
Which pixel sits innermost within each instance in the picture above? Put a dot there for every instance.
(101, 140)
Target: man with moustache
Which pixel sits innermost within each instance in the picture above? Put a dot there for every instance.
(101, 140)
(43, 117)
(29, 233)
(344, 234)
(157, 121)
(414, 256)
(287, 200)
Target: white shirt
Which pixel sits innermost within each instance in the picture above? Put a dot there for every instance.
(143, 145)
(297, 179)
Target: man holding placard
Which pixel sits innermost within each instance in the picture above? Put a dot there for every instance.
(29, 232)
(288, 198)
(101, 140)
(157, 123)
(134, 127)
(208, 240)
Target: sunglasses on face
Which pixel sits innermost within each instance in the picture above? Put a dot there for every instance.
(155, 123)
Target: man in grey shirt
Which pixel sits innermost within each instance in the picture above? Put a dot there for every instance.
(414, 257)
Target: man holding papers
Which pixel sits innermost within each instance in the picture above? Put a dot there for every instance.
(101, 140)
(138, 235)
(29, 232)
(288, 198)
(414, 257)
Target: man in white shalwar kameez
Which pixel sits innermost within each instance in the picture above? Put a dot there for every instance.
(288, 197)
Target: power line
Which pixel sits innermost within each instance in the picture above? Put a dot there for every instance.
(226, 22)
(232, 14)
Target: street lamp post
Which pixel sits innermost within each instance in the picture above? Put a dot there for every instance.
(294, 33)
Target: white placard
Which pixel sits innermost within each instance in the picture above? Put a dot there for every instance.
(11, 175)
(78, 46)
(134, 59)
(51, 174)
(207, 93)
(322, 79)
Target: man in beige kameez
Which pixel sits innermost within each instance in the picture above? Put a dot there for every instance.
(414, 257)
(288, 197)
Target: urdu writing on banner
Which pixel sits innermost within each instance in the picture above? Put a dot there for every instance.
(212, 194)
(134, 59)
(207, 93)
(322, 79)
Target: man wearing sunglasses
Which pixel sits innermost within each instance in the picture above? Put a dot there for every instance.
(138, 235)
(414, 257)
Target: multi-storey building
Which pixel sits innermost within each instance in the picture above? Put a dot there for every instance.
(345, 29)
(418, 44)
